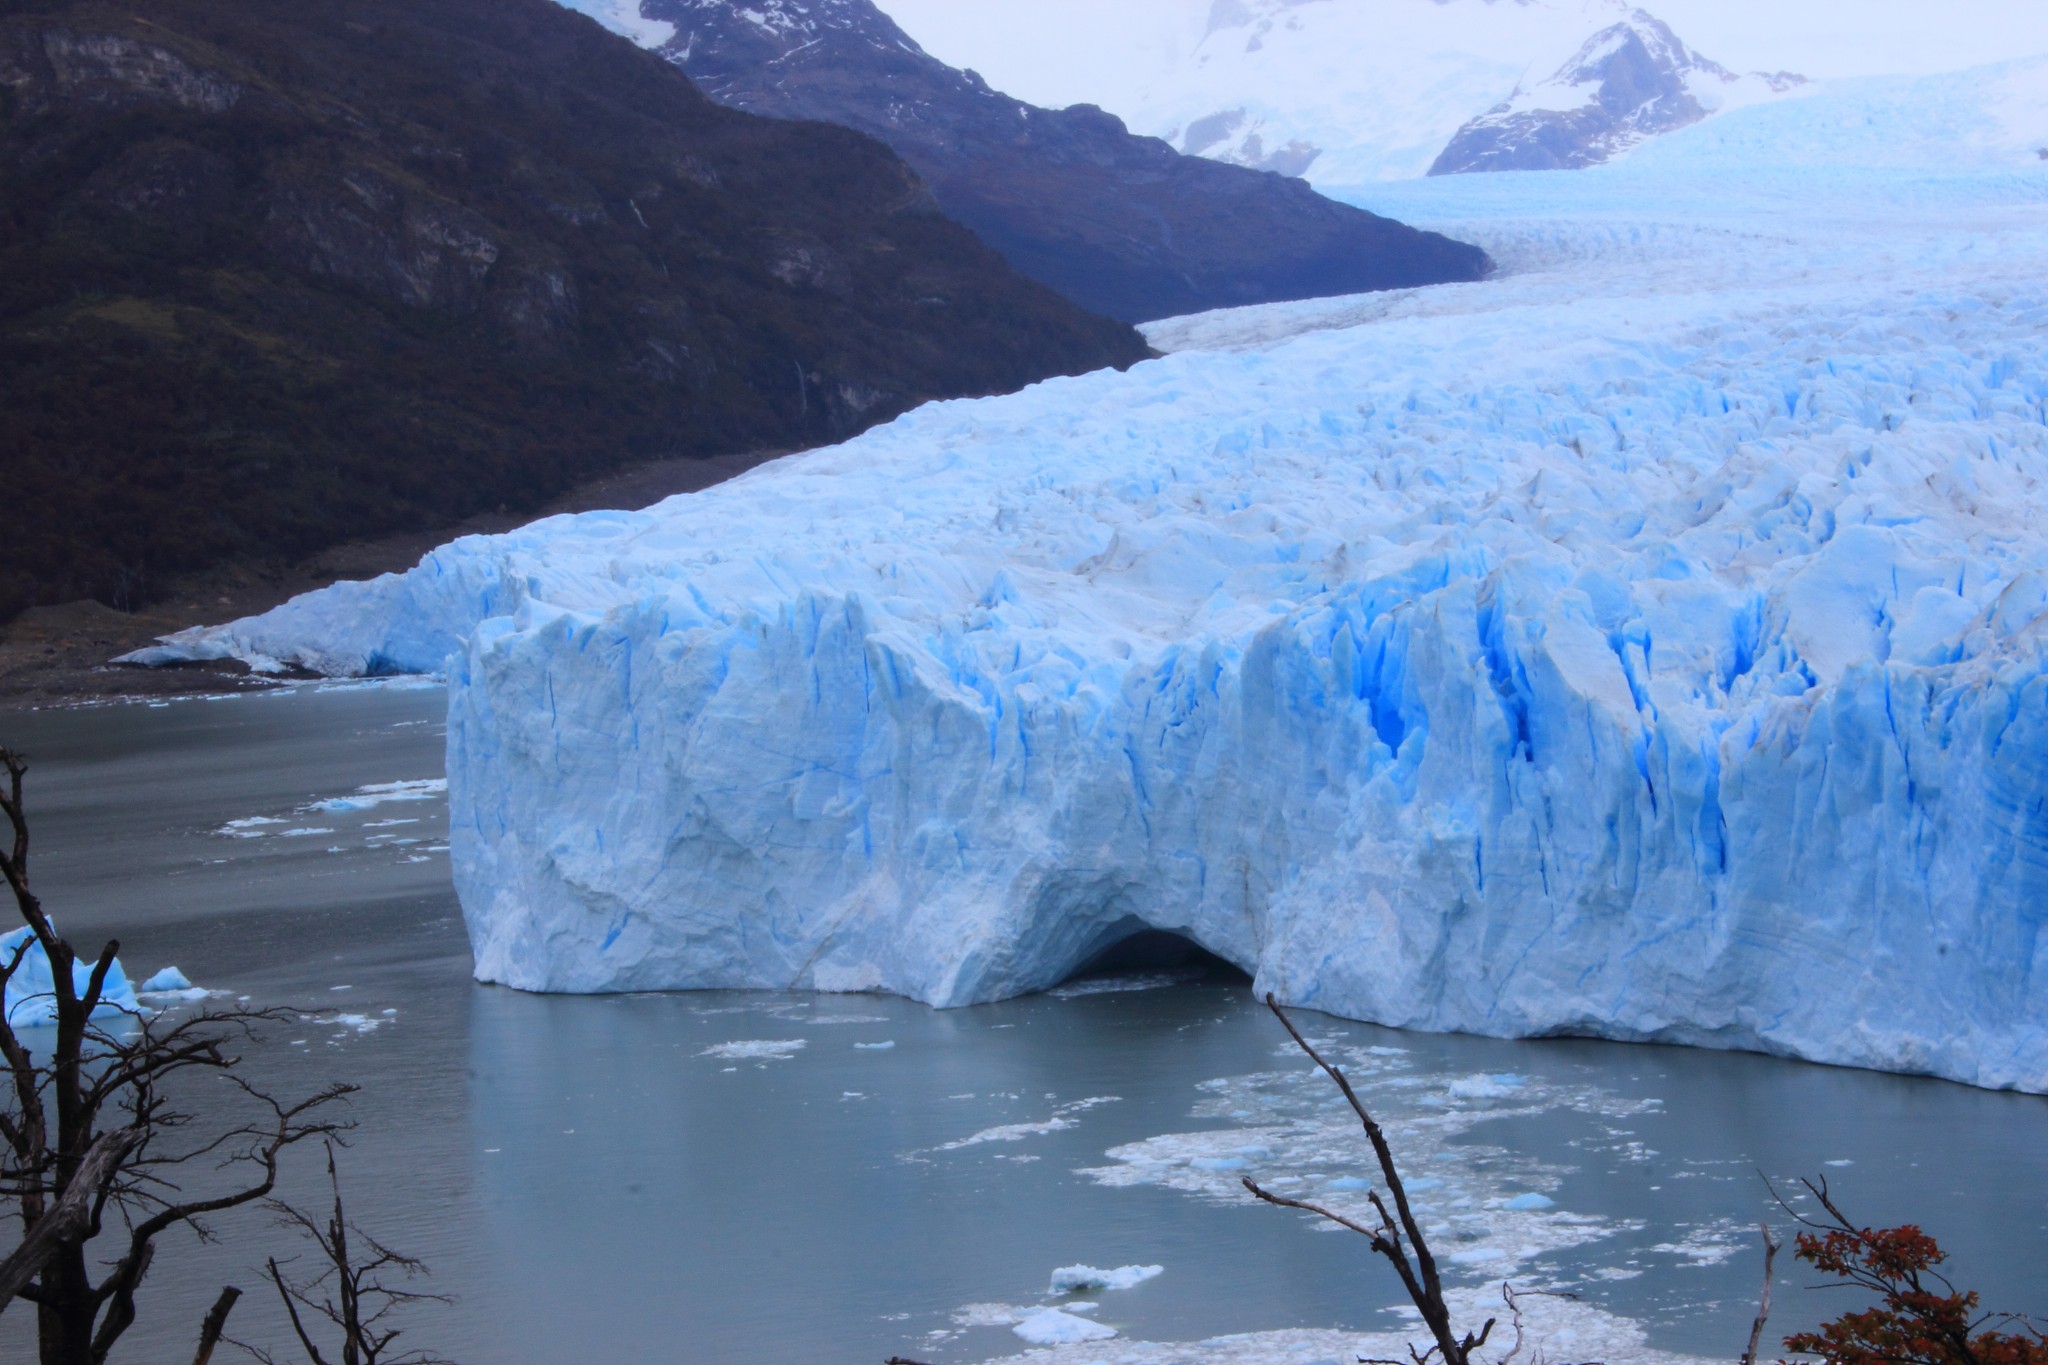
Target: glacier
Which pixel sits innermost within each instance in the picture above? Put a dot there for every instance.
(1649, 643)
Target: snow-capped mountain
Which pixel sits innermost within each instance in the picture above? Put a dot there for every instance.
(1631, 81)
(1366, 90)
(1121, 224)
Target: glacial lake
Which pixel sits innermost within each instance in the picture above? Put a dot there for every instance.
(714, 1176)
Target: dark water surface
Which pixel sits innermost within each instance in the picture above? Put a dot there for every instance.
(650, 1178)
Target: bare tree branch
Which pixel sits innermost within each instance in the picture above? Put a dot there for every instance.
(84, 1127)
(349, 1290)
(1763, 1308)
(1419, 1277)
(216, 1323)
(71, 1219)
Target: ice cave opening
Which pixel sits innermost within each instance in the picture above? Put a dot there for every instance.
(1145, 949)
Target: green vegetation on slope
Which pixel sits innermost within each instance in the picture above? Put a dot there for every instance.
(277, 275)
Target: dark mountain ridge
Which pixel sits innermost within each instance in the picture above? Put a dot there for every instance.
(1123, 225)
(274, 276)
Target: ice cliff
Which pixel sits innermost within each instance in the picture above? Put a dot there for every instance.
(1651, 644)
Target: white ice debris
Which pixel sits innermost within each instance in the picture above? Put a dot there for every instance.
(1055, 1327)
(1114, 985)
(1651, 642)
(1073, 1279)
(1561, 1329)
(1483, 1087)
(756, 1050)
(380, 793)
(1061, 1120)
(249, 827)
(1298, 1136)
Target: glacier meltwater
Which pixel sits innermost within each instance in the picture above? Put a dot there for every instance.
(1651, 642)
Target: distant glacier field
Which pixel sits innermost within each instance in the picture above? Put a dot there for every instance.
(1650, 642)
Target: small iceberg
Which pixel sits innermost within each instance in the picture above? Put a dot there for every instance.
(31, 998)
(171, 984)
(1051, 1327)
(1484, 1087)
(1075, 1279)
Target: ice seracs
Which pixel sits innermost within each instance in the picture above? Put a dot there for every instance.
(1652, 643)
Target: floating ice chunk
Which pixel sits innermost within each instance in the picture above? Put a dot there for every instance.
(31, 998)
(1073, 1279)
(1529, 1203)
(1218, 1163)
(1060, 1121)
(1113, 985)
(171, 984)
(1477, 1256)
(1484, 1087)
(1009, 1132)
(882, 1046)
(1703, 1245)
(381, 793)
(1052, 1327)
(304, 832)
(248, 827)
(756, 1049)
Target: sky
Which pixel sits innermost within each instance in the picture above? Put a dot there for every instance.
(1059, 52)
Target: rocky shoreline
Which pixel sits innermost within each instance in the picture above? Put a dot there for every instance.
(62, 655)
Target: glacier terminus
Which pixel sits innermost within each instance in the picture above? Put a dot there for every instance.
(1650, 642)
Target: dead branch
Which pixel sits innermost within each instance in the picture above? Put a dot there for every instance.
(1763, 1308)
(71, 1218)
(85, 1128)
(1393, 1239)
(350, 1291)
(216, 1323)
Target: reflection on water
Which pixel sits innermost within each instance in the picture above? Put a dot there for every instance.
(725, 1177)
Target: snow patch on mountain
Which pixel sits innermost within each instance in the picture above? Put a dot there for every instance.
(623, 17)
(1345, 94)
(1630, 82)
